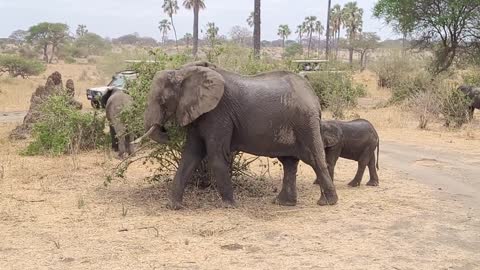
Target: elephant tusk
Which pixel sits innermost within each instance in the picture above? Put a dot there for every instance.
(150, 131)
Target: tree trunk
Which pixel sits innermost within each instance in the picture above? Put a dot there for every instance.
(327, 46)
(45, 53)
(54, 47)
(309, 44)
(175, 33)
(336, 44)
(319, 45)
(196, 10)
(256, 30)
(350, 55)
(362, 60)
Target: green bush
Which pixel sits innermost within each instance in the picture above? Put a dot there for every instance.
(64, 129)
(336, 90)
(454, 108)
(410, 85)
(472, 78)
(395, 67)
(17, 66)
(293, 50)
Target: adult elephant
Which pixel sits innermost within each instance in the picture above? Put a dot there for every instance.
(274, 114)
(474, 94)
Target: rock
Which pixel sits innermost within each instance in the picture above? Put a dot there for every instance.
(53, 86)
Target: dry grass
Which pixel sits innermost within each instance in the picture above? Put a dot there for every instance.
(15, 93)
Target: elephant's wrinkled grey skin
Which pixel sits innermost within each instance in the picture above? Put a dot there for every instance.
(114, 101)
(272, 114)
(354, 140)
(474, 94)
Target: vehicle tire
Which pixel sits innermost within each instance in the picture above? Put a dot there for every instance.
(95, 104)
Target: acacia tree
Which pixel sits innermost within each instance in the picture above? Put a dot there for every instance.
(196, 5)
(81, 30)
(447, 26)
(18, 36)
(353, 22)
(365, 43)
(48, 34)
(284, 32)
(257, 42)
(170, 7)
(164, 27)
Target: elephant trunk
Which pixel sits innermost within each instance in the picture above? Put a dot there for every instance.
(154, 124)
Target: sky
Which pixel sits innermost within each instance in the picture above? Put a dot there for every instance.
(113, 18)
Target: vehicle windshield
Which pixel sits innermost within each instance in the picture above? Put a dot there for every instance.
(118, 81)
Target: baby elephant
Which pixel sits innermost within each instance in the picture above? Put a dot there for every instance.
(114, 101)
(354, 140)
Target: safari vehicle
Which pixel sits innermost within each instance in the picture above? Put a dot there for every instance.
(119, 80)
(310, 65)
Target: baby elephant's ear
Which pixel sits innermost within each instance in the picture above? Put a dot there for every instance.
(201, 91)
(331, 135)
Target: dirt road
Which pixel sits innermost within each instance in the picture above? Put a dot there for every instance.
(455, 174)
(12, 117)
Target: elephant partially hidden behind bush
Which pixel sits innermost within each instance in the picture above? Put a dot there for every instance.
(474, 94)
(114, 101)
(273, 114)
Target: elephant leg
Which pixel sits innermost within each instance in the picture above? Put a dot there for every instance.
(471, 110)
(372, 170)
(192, 155)
(359, 175)
(313, 153)
(219, 159)
(130, 147)
(331, 155)
(288, 194)
(113, 136)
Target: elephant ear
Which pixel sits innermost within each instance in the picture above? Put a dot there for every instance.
(201, 91)
(331, 134)
(200, 64)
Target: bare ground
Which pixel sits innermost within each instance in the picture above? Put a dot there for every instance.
(56, 213)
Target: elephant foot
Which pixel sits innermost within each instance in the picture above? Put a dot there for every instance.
(372, 183)
(119, 156)
(174, 205)
(354, 183)
(281, 201)
(328, 198)
(229, 204)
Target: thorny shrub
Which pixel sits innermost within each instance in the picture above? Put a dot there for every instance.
(64, 129)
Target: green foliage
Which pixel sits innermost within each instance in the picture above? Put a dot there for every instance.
(411, 84)
(472, 78)
(447, 26)
(395, 67)
(293, 50)
(17, 66)
(64, 129)
(455, 108)
(336, 91)
(48, 34)
(70, 60)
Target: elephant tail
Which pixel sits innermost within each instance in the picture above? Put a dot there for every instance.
(378, 153)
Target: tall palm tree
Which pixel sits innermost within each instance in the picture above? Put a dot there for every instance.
(170, 7)
(257, 42)
(164, 27)
(327, 43)
(196, 5)
(336, 19)
(284, 32)
(300, 31)
(352, 20)
(319, 29)
(250, 19)
(310, 29)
